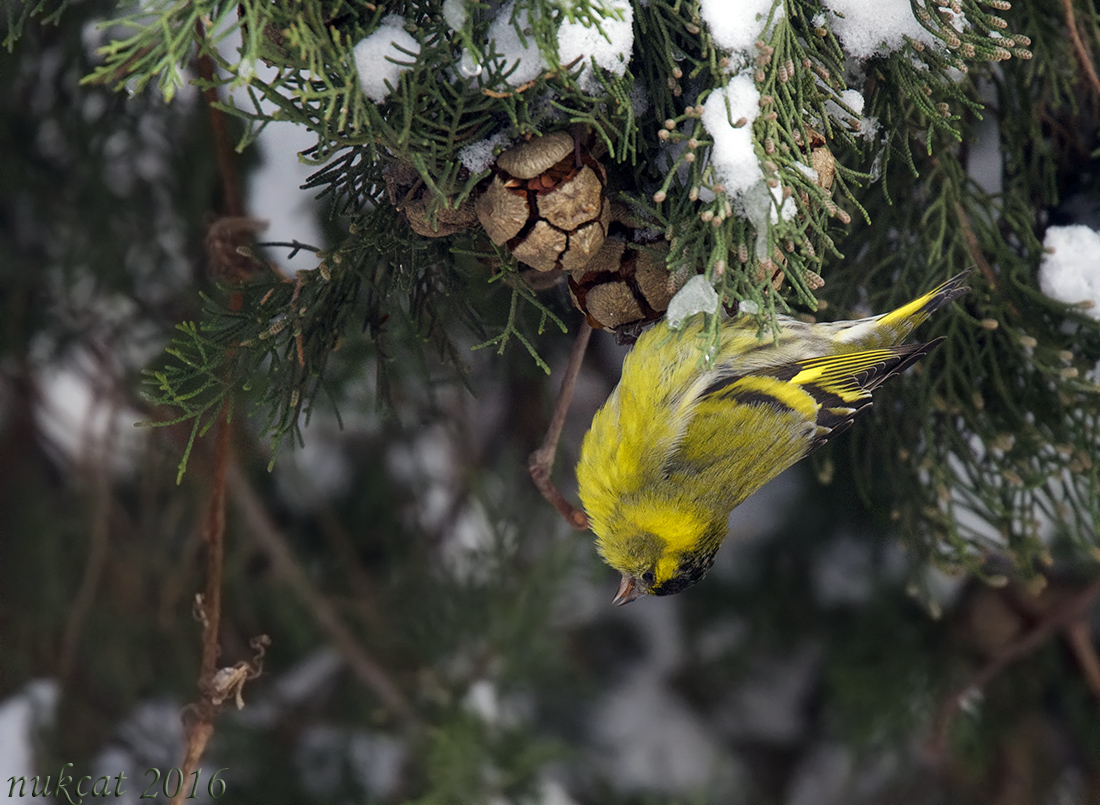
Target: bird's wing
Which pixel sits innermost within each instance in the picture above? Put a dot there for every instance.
(747, 428)
(841, 385)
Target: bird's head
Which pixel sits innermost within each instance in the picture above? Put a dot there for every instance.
(664, 578)
(651, 566)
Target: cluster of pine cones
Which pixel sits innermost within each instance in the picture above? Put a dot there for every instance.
(547, 203)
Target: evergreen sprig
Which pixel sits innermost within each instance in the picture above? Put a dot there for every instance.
(920, 104)
(17, 13)
(276, 338)
(435, 111)
(997, 477)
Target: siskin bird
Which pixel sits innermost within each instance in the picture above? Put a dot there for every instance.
(678, 444)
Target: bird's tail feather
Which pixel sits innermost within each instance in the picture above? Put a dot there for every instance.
(914, 313)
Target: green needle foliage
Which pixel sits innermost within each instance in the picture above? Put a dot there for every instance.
(962, 451)
(980, 460)
(997, 471)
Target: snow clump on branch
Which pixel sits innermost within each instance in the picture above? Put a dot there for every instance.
(1069, 271)
(608, 45)
(520, 53)
(376, 57)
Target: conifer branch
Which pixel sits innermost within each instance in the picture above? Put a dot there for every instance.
(99, 537)
(1082, 52)
(1079, 636)
(541, 462)
(367, 670)
(199, 729)
(1057, 619)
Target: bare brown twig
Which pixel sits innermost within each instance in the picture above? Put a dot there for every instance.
(1082, 52)
(267, 534)
(214, 538)
(1079, 636)
(974, 247)
(99, 539)
(199, 728)
(1057, 619)
(233, 198)
(541, 462)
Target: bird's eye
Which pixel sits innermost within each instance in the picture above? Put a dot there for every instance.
(649, 578)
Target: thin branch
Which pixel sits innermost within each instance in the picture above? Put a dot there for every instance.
(233, 198)
(1082, 52)
(344, 549)
(264, 530)
(541, 462)
(214, 538)
(200, 726)
(974, 247)
(198, 736)
(209, 608)
(1079, 636)
(98, 470)
(1057, 619)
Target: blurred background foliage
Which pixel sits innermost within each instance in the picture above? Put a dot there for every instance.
(438, 634)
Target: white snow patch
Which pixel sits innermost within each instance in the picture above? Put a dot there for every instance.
(484, 699)
(735, 25)
(522, 54)
(377, 761)
(762, 205)
(868, 129)
(552, 792)
(784, 208)
(154, 725)
(1070, 272)
(609, 49)
(959, 21)
(273, 189)
(697, 296)
(682, 755)
(807, 171)
(376, 55)
(867, 29)
(455, 13)
(733, 154)
(21, 718)
(477, 157)
(853, 99)
(89, 425)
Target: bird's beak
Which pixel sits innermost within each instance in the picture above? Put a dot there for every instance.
(629, 589)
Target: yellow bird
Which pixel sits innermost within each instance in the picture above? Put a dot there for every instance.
(678, 445)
